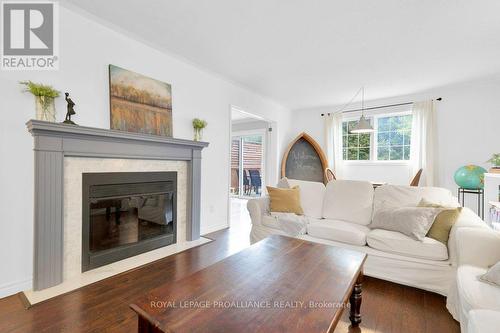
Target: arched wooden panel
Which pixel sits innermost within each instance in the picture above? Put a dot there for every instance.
(304, 159)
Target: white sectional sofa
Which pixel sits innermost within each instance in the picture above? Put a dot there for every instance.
(474, 303)
(340, 214)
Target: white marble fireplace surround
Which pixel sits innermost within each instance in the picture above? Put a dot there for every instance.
(74, 167)
(62, 154)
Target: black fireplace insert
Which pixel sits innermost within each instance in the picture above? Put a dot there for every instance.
(125, 214)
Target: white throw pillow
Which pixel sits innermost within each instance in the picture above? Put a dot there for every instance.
(413, 222)
(492, 276)
(409, 196)
(311, 196)
(348, 200)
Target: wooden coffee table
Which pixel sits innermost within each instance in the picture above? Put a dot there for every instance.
(279, 284)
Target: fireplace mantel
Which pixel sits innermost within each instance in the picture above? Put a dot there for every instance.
(53, 142)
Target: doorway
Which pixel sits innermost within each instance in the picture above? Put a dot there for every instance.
(250, 137)
(247, 164)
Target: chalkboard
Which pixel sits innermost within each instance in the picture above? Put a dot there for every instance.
(304, 160)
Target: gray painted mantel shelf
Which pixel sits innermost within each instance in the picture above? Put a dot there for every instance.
(53, 142)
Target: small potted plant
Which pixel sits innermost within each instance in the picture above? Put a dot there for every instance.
(44, 99)
(495, 160)
(198, 126)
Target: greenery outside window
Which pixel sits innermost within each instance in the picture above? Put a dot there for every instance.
(394, 138)
(355, 146)
(390, 142)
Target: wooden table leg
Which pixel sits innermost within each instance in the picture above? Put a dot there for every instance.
(355, 300)
(144, 326)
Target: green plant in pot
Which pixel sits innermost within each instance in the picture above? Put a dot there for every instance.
(44, 99)
(198, 125)
(495, 160)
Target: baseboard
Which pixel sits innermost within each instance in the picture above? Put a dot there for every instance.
(214, 228)
(9, 289)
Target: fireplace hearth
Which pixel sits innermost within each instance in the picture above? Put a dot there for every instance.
(126, 214)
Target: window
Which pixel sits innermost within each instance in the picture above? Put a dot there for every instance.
(390, 141)
(355, 146)
(393, 138)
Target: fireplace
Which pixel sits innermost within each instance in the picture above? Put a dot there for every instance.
(125, 214)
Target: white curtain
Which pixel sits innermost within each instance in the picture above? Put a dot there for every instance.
(333, 144)
(423, 149)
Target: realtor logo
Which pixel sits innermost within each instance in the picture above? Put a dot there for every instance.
(30, 36)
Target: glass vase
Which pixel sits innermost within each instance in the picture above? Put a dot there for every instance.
(45, 108)
(198, 134)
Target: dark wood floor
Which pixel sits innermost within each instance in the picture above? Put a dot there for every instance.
(104, 306)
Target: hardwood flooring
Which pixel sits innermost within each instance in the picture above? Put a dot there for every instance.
(104, 306)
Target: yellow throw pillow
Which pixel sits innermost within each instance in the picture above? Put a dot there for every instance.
(443, 222)
(285, 200)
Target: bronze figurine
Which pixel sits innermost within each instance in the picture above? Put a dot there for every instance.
(71, 110)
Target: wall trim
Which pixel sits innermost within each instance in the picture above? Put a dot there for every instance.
(12, 288)
(214, 228)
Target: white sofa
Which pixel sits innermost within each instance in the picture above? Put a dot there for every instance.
(340, 214)
(474, 303)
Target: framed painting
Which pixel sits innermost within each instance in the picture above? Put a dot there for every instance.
(139, 103)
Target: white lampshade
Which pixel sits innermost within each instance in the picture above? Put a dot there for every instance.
(363, 126)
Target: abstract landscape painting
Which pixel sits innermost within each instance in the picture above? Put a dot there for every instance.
(139, 103)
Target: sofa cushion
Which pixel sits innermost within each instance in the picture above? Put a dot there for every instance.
(349, 200)
(483, 321)
(285, 200)
(473, 293)
(311, 196)
(395, 242)
(340, 231)
(387, 196)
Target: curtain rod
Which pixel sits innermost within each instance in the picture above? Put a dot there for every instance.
(377, 107)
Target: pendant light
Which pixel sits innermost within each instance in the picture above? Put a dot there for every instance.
(363, 125)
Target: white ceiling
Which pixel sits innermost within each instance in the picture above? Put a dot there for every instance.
(306, 53)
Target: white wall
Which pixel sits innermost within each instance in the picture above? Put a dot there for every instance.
(86, 49)
(468, 121)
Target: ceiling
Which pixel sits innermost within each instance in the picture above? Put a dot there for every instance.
(313, 53)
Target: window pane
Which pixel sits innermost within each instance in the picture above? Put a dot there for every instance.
(351, 124)
(407, 121)
(364, 140)
(396, 138)
(383, 138)
(364, 154)
(396, 153)
(383, 124)
(399, 123)
(383, 153)
(352, 140)
(406, 153)
(407, 137)
(352, 154)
